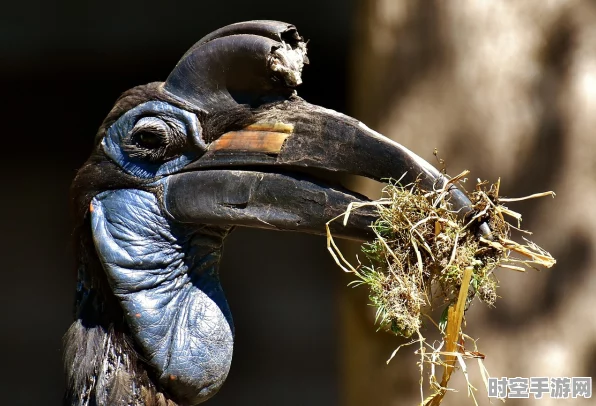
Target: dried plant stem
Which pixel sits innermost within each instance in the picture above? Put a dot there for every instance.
(424, 254)
(452, 334)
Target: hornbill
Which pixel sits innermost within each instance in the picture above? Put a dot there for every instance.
(223, 142)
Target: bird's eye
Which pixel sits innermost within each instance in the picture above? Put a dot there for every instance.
(150, 133)
(155, 139)
(149, 140)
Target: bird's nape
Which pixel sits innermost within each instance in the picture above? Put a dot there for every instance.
(224, 142)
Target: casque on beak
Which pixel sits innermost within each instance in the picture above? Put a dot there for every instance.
(256, 176)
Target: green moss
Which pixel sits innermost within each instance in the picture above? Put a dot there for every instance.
(412, 263)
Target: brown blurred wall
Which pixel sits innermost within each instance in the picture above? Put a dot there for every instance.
(506, 89)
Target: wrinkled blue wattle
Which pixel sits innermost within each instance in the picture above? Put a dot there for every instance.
(165, 277)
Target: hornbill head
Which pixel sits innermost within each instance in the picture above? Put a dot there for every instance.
(223, 142)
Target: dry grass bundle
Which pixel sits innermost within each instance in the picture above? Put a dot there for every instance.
(425, 255)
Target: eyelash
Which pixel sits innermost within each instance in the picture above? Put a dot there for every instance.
(168, 135)
(158, 140)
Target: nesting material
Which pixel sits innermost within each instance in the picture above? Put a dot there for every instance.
(425, 256)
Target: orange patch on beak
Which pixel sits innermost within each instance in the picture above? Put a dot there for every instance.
(267, 137)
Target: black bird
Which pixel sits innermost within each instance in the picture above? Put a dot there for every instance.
(223, 142)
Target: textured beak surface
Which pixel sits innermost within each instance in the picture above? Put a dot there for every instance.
(257, 177)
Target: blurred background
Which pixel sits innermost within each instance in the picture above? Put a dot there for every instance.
(503, 88)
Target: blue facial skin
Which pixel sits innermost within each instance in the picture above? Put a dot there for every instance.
(164, 273)
(116, 134)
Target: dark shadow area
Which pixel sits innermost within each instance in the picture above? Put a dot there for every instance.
(574, 258)
(284, 308)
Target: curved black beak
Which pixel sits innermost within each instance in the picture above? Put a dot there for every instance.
(256, 176)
